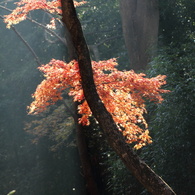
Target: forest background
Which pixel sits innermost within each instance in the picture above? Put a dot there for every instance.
(52, 166)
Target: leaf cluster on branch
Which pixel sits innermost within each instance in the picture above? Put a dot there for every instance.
(123, 93)
(25, 6)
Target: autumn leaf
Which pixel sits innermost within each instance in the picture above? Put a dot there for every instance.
(25, 6)
(123, 93)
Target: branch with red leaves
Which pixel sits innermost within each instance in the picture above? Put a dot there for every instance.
(122, 92)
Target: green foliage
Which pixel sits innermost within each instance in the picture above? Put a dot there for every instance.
(177, 21)
(172, 123)
(118, 179)
(102, 28)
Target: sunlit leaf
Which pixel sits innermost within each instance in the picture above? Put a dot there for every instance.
(123, 93)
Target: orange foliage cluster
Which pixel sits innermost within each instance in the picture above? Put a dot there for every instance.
(25, 6)
(123, 93)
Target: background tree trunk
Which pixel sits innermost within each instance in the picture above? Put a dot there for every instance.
(91, 186)
(140, 20)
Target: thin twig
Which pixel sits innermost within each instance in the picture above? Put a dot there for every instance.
(26, 43)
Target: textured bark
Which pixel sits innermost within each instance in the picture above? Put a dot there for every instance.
(151, 181)
(140, 21)
(71, 50)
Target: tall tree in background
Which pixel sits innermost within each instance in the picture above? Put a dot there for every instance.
(140, 21)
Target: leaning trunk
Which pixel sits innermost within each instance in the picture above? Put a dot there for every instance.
(152, 182)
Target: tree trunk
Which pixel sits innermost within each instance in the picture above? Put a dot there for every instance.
(71, 50)
(91, 185)
(140, 20)
(152, 182)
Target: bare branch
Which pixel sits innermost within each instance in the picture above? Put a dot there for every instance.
(26, 43)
